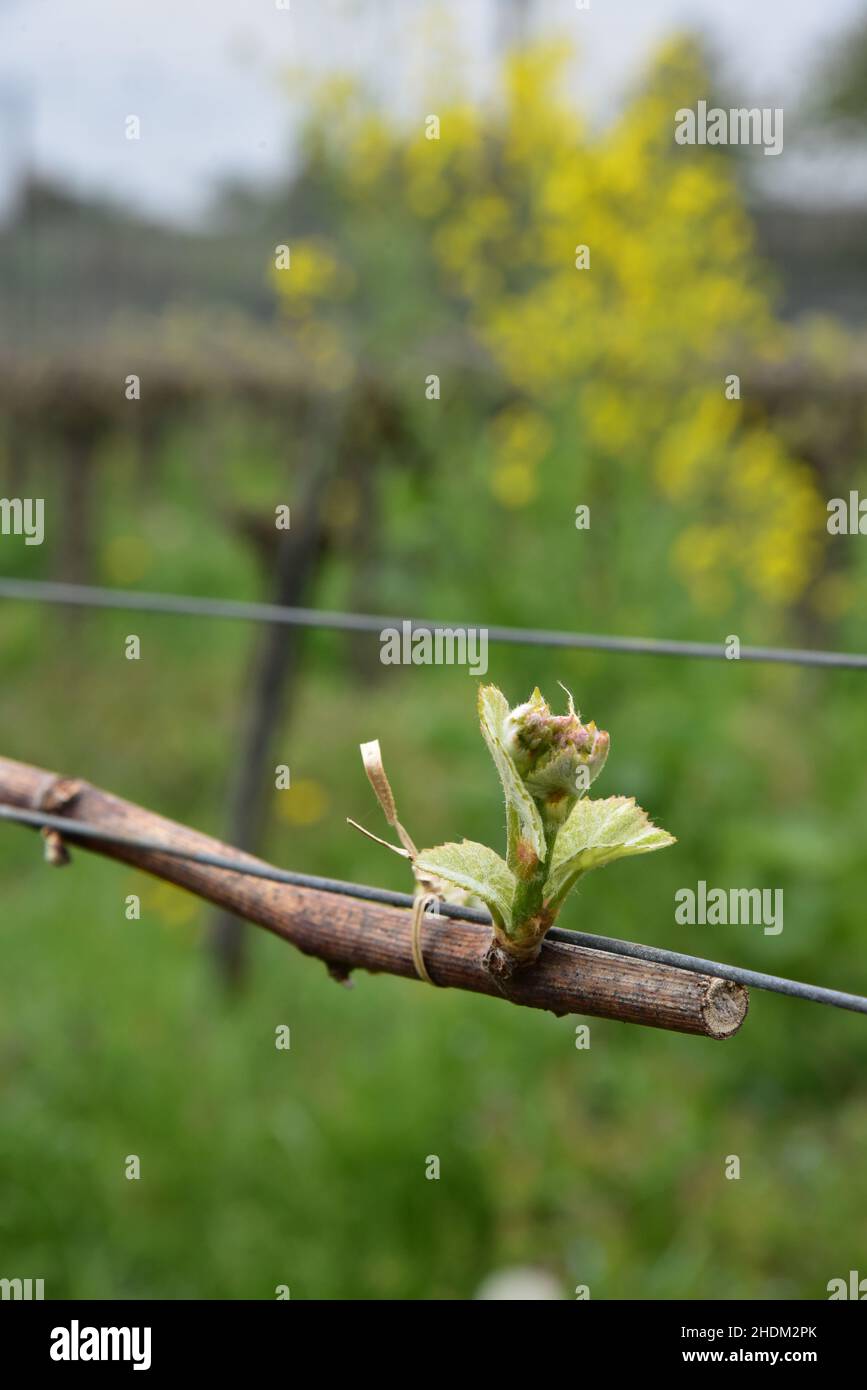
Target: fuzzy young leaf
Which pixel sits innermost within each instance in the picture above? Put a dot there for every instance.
(477, 869)
(597, 833)
(493, 713)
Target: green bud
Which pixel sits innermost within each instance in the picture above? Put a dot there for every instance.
(556, 755)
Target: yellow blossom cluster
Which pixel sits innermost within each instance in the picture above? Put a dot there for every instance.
(610, 280)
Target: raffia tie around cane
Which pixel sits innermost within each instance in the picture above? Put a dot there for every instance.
(429, 892)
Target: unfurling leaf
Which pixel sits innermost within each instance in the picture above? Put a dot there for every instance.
(477, 869)
(520, 806)
(597, 833)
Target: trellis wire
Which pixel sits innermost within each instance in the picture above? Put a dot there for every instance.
(89, 596)
(815, 994)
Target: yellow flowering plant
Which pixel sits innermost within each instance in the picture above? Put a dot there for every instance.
(473, 235)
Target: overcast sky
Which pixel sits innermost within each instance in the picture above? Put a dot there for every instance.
(204, 76)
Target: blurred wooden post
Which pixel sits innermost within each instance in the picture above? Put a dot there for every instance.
(295, 555)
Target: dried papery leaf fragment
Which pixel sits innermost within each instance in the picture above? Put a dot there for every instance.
(395, 849)
(371, 756)
(430, 888)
